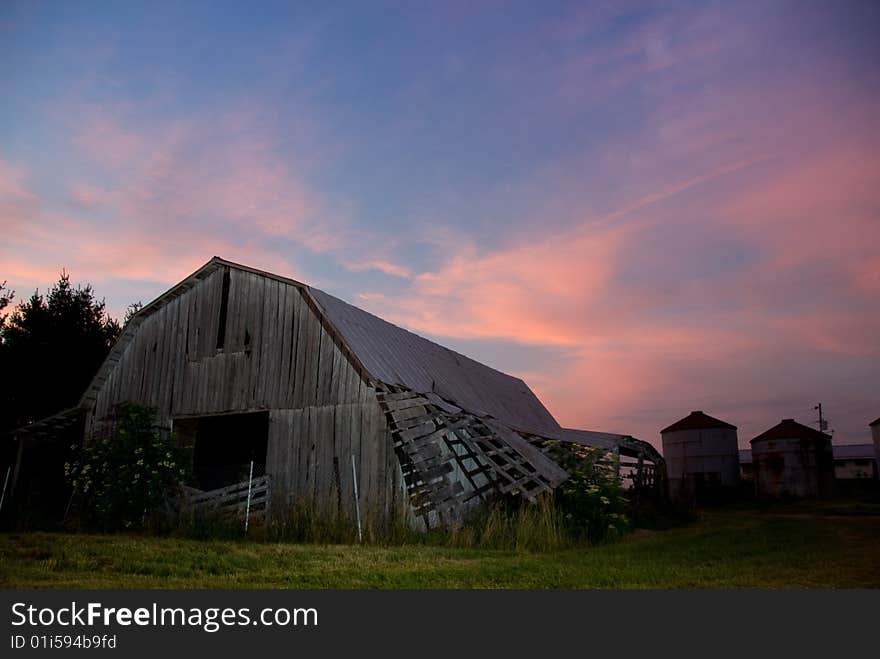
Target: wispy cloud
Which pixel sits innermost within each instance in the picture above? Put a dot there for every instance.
(389, 268)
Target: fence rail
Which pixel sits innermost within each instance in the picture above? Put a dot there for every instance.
(232, 499)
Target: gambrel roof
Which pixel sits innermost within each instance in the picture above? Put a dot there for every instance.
(389, 354)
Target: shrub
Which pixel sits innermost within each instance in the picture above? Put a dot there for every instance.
(591, 501)
(121, 475)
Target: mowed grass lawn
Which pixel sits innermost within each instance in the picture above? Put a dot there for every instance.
(794, 546)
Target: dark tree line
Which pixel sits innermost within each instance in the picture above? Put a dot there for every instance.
(50, 348)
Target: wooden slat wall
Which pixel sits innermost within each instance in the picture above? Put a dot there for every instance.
(310, 453)
(276, 356)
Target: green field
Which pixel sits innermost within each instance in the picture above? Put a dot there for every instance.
(835, 545)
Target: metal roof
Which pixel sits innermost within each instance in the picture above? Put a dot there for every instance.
(791, 429)
(698, 420)
(394, 355)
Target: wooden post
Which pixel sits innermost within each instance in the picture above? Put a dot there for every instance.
(247, 512)
(357, 503)
(17, 471)
(67, 510)
(5, 483)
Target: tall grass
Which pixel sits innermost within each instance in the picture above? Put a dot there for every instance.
(526, 527)
(512, 525)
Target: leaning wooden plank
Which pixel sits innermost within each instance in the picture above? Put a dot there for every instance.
(397, 395)
(434, 399)
(547, 467)
(405, 404)
(414, 432)
(228, 490)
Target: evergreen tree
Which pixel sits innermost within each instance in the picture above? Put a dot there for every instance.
(50, 349)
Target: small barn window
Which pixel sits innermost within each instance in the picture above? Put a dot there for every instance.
(224, 307)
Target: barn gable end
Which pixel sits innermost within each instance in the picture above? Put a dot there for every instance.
(278, 355)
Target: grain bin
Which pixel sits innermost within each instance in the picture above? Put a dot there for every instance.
(702, 458)
(792, 459)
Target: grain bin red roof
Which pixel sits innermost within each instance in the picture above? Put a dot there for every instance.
(789, 429)
(697, 420)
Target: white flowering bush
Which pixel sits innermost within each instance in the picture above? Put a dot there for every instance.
(120, 476)
(591, 501)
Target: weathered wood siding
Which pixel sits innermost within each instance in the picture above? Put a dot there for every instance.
(312, 451)
(276, 356)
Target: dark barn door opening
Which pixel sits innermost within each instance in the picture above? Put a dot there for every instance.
(223, 447)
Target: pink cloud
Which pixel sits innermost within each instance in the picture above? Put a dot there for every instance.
(389, 268)
(207, 171)
(18, 204)
(105, 138)
(640, 327)
(88, 197)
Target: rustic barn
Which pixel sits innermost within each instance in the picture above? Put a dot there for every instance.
(244, 366)
(791, 459)
(702, 457)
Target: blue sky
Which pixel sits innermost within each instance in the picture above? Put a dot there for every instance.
(641, 208)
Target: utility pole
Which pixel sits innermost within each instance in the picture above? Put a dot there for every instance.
(822, 423)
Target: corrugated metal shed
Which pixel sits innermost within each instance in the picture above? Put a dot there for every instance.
(853, 451)
(396, 356)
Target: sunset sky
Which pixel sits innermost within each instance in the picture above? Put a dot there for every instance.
(640, 209)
